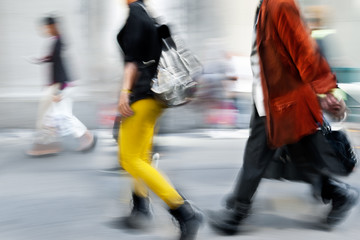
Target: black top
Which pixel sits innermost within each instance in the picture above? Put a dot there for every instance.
(58, 73)
(141, 44)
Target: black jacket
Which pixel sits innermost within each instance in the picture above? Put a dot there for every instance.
(141, 44)
(58, 72)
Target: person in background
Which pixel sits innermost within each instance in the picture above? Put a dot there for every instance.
(318, 19)
(289, 75)
(141, 44)
(55, 117)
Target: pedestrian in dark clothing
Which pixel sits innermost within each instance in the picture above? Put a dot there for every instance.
(289, 76)
(142, 44)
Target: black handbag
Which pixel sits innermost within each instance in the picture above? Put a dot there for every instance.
(332, 154)
(338, 154)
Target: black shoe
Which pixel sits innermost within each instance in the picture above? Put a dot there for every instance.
(344, 200)
(189, 219)
(140, 215)
(227, 221)
(230, 201)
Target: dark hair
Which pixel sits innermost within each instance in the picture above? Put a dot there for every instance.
(49, 20)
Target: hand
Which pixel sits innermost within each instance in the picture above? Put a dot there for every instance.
(334, 107)
(57, 98)
(123, 106)
(232, 78)
(32, 59)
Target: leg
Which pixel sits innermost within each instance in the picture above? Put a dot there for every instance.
(71, 125)
(256, 159)
(116, 127)
(141, 211)
(46, 136)
(140, 188)
(308, 158)
(134, 138)
(136, 134)
(46, 122)
(45, 104)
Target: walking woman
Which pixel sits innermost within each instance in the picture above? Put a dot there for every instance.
(141, 45)
(55, 117)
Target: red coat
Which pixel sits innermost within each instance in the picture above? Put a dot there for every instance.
(292, 73)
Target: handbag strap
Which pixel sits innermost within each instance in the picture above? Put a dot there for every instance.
(325, 127)
(170, 43)
(143, 6)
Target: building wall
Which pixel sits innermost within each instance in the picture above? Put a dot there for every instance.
(90, 28)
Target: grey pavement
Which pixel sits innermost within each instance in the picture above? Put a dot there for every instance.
(67, 196)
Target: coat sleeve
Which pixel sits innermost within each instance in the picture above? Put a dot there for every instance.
(302, 49)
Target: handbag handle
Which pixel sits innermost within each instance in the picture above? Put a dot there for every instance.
(325, 127)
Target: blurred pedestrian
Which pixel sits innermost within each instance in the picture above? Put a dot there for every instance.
(317, 18)
(55, 117)
(289, 74)
(212, 95)
(141, 45)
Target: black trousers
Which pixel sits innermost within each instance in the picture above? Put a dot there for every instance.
(258, 156)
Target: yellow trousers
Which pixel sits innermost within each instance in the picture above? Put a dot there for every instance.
(135, 146)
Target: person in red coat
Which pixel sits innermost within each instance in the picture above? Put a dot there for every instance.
(289, 76)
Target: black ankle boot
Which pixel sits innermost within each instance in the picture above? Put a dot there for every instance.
(227, 221)
(189, 219)
(344, 198)
(140, 213)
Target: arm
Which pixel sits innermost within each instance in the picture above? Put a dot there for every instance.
(130, 75)
(334, 104)
(53, 48)
(132, 40)
(302, 49)
(45, 59)
(39, 60)
(312, 66)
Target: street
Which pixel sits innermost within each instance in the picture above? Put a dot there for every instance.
(68, 196)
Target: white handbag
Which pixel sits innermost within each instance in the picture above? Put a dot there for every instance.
(175, 83)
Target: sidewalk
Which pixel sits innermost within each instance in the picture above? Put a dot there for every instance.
(66, 196)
